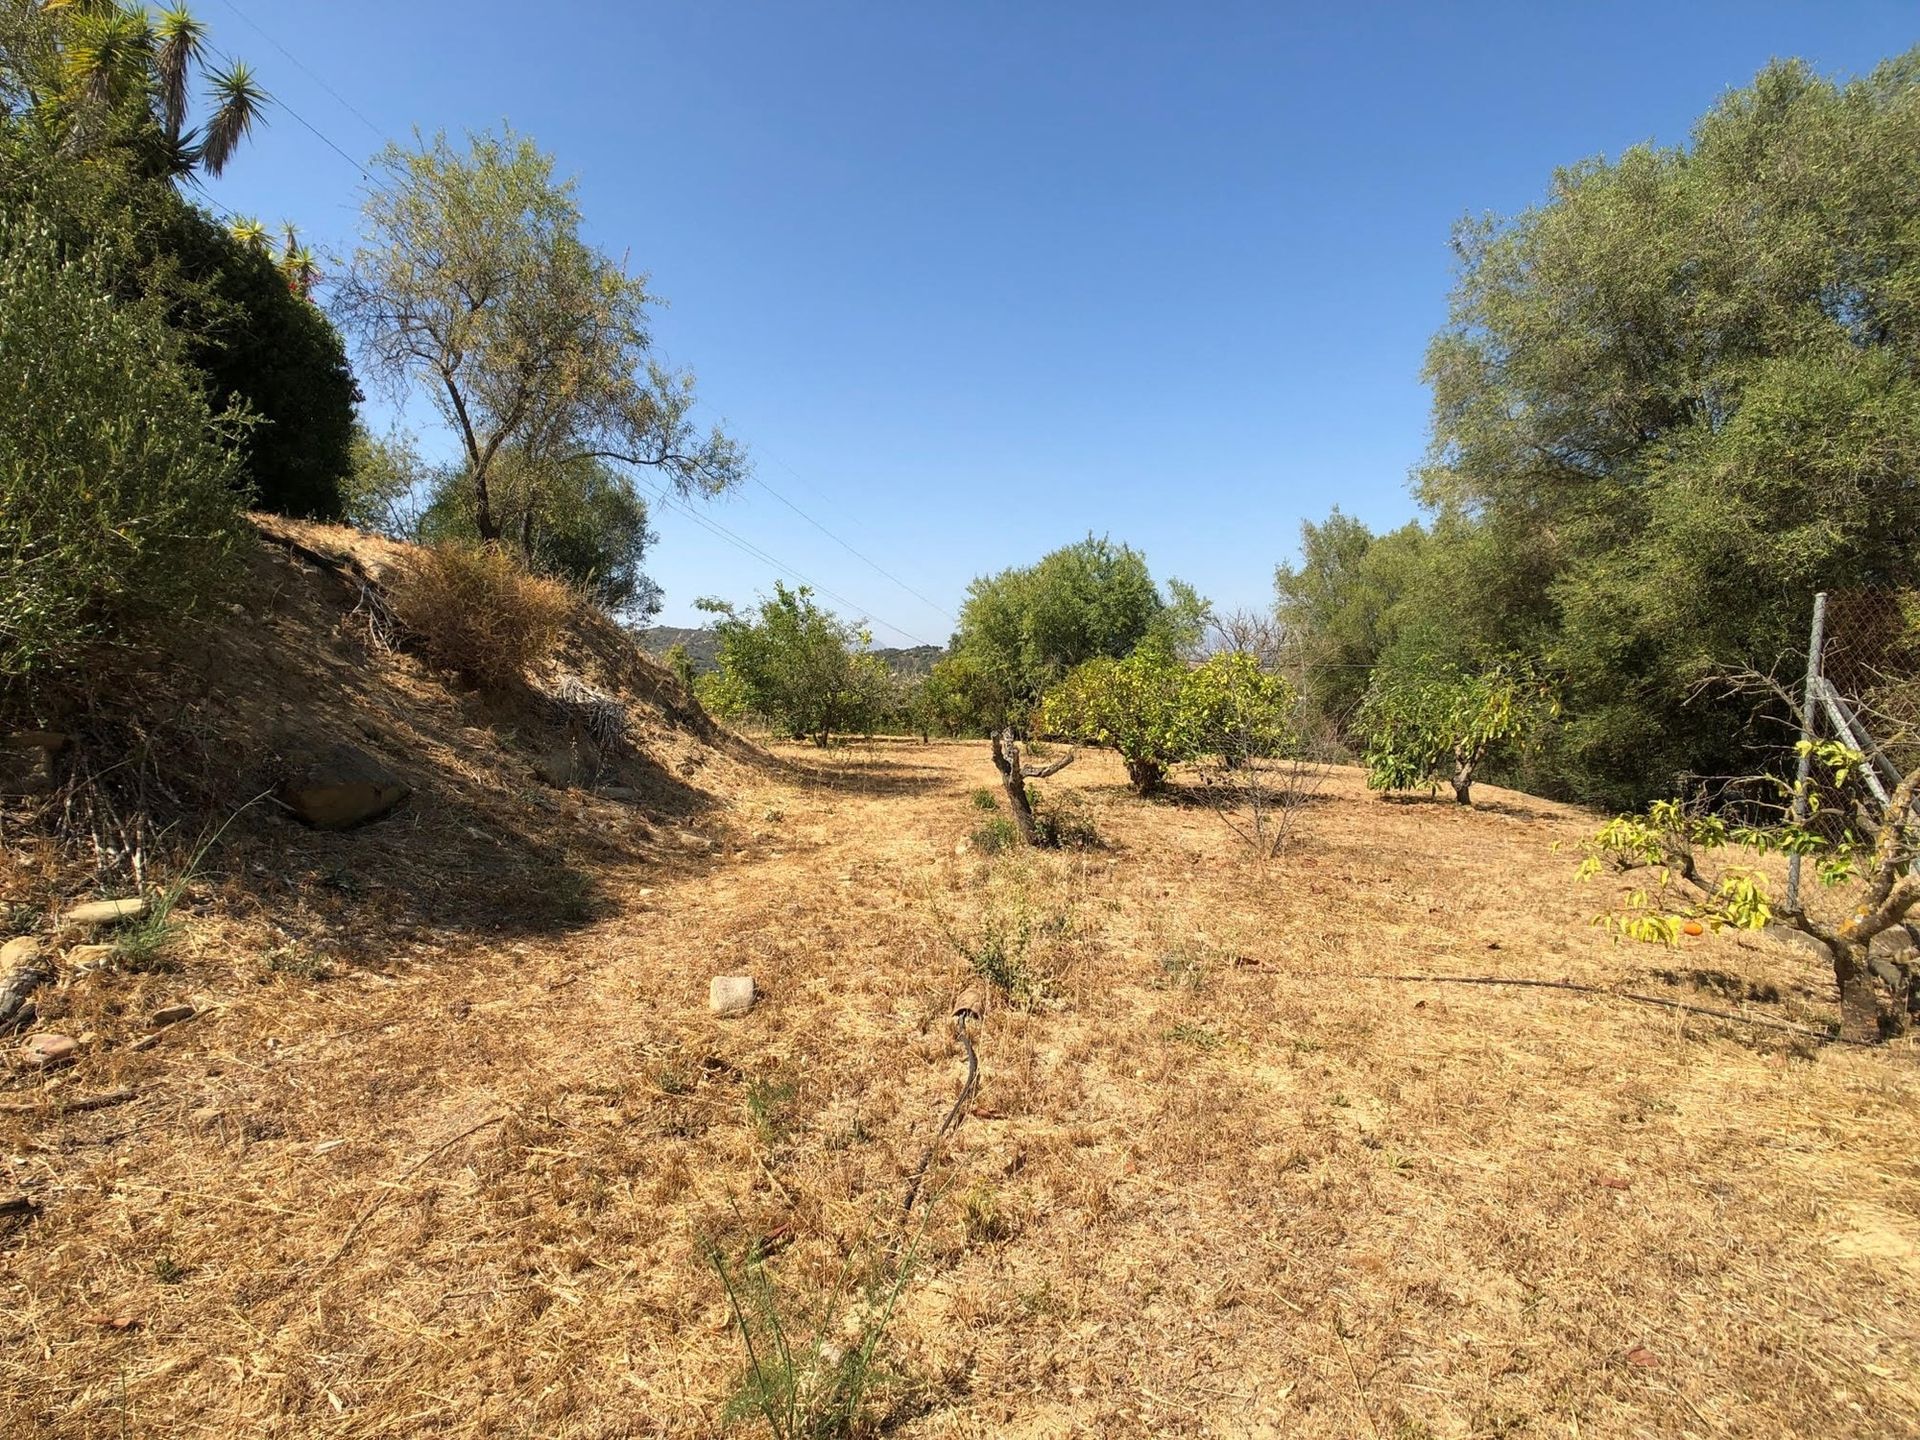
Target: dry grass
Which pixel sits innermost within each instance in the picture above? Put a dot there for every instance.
(476, 611)
(410, 1174)
(1212, 1185)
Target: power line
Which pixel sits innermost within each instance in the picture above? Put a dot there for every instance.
(350, 107)
(858, 555)
(747, 547)
(737, 541)
(315, 130)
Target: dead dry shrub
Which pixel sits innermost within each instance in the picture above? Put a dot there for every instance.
(475, 609)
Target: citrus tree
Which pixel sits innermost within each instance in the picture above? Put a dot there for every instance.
(1157, 711)
(1427, 726)
(1704, 874)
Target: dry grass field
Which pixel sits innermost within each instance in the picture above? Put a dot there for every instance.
(1212, 1183)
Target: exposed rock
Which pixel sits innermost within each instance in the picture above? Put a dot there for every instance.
(730, 994)
(47, 1051)
(341, 788)
(21, 950)
(626, 794)
(558, 768)
(82, 958)
(104, 912)
(171, 1015)
(26, 761)
(23, 969)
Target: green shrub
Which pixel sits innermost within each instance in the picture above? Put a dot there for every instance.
(117, 485)
(1063, 822)
(995, 834)
(984, 799)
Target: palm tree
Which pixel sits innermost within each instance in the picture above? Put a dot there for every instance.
(248, 231)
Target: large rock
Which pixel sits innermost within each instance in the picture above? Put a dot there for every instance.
(342, 788)
(47, 1051)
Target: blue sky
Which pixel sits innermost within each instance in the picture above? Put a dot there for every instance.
(973, 279)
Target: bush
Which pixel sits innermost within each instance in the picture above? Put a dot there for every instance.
(117, 493)
(1063, 822)
(474, 610)
(994, 834)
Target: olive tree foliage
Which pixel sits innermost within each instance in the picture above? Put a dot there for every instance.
(797, 666)
(117, 484)
(1157, 711)
(472, 282)
(1681, 396)
(1423, 727)
(1022, 630)
(1705, 874)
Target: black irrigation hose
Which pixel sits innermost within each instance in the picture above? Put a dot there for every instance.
(1821, 1035)
(955, 1115)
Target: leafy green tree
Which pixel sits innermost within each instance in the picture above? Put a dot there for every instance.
(1423, 727)
(95, 139)
(578, 521)
(680, 663)
(1157, 711)
(117, 495)
(1024, 629)
(1681, 395)
(1232, 708)
(796, 665)
(962, 697)
(1344, 602)
(473, 282)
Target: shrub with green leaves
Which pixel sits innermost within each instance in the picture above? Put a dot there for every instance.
(1427, 726)
(1157, 711)
(117, 486)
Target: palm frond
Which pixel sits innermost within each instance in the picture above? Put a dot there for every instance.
(180, 40)
(238, 101)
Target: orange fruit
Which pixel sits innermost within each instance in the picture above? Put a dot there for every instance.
(1694, 927)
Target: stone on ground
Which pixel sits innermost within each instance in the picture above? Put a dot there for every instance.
(341, 788)
(730, 994)
(105, 912)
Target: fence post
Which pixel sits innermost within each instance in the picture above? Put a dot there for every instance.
(1804, 769)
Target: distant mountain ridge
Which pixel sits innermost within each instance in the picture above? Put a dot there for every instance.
(703, 648)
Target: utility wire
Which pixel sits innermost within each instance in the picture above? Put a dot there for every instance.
(713, 526)
(347, 104)
(741, 543)
(858, 555)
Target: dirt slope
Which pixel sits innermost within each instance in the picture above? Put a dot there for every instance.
(459, 1175)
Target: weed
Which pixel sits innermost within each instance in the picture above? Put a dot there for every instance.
(984, 799)
(1063, 822)
(816, 1386)
(1195, 1035)
(1184, 967)
(980, 1210)
(769, 1099)
(674, 1079)
(168, 1271)
(995, 835)
(296, 963)
(1041, 1301)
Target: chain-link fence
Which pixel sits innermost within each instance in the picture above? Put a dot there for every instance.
(1862, 688)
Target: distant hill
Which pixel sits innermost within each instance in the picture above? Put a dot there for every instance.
(703, 647)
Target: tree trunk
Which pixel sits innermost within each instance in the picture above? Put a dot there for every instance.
(1147, 775)
(1463, 780)
(1859, 1006)
(1006, 759)
(483, 516)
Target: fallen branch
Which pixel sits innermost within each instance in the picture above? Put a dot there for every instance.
(966, 1009)
(68, 1107)
(1821, 1035)
(367, 1214)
